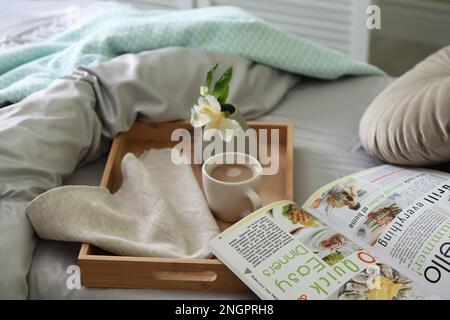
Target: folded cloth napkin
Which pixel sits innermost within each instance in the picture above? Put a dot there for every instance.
(159, 211)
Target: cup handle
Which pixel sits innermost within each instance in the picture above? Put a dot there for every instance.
(254, 199)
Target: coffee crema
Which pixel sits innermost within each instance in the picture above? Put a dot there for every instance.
(232, 173)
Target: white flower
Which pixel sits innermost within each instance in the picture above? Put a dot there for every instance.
(207, 112)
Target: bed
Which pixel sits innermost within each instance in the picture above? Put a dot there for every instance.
(326, 148)
(326, 116)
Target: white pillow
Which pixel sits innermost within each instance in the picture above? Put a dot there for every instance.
(409, 122)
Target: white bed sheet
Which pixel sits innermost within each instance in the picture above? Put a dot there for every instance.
(31, 21)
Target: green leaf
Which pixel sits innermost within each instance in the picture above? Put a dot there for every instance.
(286, 209)
(210, 75)
(222, 86)
(222, 98)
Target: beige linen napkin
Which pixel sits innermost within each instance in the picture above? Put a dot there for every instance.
(159, 211)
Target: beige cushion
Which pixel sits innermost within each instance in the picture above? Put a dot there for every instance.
(409, 122)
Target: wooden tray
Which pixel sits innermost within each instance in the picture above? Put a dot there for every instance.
(103, 269)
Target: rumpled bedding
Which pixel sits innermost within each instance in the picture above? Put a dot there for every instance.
(326, 147)
(120, 29)
(28, 21)
(48, 134)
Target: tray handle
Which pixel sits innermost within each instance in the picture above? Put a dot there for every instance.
(176, 275)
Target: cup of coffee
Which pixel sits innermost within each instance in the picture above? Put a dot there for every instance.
(231, 181)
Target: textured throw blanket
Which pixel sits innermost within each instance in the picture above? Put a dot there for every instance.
(119, 29)
(159, 211)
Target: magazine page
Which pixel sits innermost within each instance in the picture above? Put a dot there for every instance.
(401, 215)
(282, 252)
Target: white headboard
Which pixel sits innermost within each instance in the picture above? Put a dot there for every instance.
(338, 24)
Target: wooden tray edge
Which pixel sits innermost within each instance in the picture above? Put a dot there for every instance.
(85, 258)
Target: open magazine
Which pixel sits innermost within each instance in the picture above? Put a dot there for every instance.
(383, 233)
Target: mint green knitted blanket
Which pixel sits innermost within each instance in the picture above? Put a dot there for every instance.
(119, 29)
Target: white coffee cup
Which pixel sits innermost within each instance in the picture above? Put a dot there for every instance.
(231, 201)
